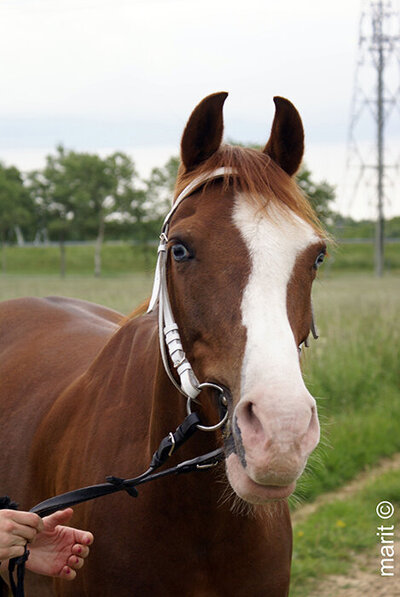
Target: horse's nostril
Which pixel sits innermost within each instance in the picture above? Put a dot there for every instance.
(248, 417)
(249, 410)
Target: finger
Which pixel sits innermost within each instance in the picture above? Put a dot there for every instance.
(75, 562)
(22, 532)
(80, 550)
(28, 519)
(59, 517)
(67, 573)
(14, 551)
(84, 537)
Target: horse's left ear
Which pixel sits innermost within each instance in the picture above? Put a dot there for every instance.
(286, 142)
(203, 133)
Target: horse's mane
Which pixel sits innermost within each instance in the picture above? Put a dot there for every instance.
(259, 178)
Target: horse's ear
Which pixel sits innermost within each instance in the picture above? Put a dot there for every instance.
(203, 133)
(286, 142)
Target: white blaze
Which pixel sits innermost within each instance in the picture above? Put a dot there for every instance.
(274, 240)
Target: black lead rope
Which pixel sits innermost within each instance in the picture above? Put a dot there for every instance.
(17, 589)
(169, 445)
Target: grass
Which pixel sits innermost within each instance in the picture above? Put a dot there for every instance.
(359, 257)
(117, 258)
(327, 541)
(121, 292)
(353, 370)
(123, 258)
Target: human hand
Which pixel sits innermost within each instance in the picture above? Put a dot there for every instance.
(59, 550)
(16, 529)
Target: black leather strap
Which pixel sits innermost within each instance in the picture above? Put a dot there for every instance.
(167, 446)
(173, 441)
(170, 443)
(17, 588)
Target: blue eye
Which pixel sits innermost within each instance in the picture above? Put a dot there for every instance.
(319, 260)
(180, 252)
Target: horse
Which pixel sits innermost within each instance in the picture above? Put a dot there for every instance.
(87, 392)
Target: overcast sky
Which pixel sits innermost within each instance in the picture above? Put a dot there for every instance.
(100, 75)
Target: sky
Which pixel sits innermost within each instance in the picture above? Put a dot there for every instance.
(106, 75)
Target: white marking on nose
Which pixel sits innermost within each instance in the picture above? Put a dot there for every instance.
(277, 424)
(274, 239)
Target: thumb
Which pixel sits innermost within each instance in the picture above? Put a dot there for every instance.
(59, 517)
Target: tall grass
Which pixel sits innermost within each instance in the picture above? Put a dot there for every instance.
(354, 371)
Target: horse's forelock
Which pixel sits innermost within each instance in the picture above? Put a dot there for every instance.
(259, 178)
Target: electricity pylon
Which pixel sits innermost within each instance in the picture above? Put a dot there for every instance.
(376, 102)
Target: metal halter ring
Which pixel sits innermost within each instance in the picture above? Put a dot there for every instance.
(224, 402)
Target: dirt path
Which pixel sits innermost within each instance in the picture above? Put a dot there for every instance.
(385, 465)
(364, 578)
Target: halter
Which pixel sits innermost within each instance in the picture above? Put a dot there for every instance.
(168, 331)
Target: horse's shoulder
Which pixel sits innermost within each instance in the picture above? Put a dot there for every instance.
(43, 326)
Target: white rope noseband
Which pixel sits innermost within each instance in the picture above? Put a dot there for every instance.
(167, 327)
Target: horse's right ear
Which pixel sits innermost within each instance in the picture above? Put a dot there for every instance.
(203, 133)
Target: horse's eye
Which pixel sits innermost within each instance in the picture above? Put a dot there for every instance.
(319, 260)
(180, 252)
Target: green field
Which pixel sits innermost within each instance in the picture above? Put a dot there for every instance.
(117, 258)
(122, 292)
(123, 258)
(359, 257)
(353, 370)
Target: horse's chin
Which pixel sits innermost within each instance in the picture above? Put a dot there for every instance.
(249, 490)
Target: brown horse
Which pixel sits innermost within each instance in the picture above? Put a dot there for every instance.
(84, 392)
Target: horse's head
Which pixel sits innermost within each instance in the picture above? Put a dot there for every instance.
(243, 253)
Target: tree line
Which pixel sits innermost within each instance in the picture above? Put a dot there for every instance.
(83, 196)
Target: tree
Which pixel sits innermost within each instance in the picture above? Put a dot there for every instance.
(55, 210)
(160, 188)
(15, 209)
(99, 187)
(320, 195)
(158, 195)
(80, 192)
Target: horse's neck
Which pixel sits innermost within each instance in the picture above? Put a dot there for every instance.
(129, 374)
(168, 409)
